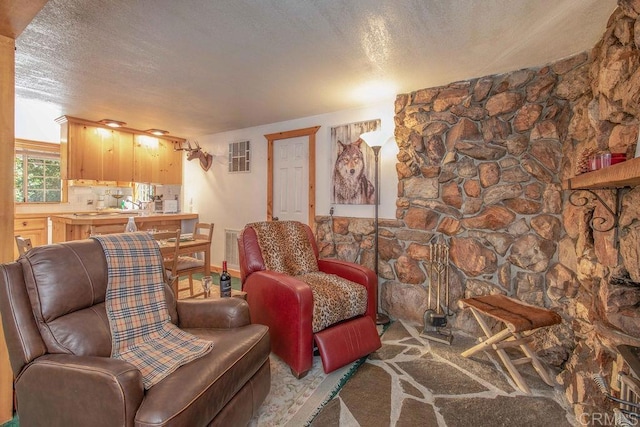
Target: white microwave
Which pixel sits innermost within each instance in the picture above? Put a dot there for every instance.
(169, 206)
(165, 206)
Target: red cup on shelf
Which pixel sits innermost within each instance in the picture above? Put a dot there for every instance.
(618, 158)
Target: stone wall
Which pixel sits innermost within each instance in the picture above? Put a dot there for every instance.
(599, 269)
(481, 166)
(479, 169)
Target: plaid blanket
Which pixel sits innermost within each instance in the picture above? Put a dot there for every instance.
(141, 329)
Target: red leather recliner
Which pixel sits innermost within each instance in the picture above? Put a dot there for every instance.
(285, 304)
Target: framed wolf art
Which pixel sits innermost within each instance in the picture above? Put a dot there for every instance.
(353, 164)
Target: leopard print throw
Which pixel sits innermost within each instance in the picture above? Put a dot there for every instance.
(285, 247)
(334, 299)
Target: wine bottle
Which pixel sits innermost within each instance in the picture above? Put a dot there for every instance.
(225, 281)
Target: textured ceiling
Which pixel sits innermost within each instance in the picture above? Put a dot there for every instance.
(198, 67)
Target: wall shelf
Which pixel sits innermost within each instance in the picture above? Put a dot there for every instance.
(625, 174)
(615, 177)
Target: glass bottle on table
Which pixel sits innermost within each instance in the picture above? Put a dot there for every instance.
(131, 226)
(225, 281)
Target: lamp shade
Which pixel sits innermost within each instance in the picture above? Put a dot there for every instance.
(375, 138)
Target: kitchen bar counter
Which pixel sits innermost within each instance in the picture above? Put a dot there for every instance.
(77, 226)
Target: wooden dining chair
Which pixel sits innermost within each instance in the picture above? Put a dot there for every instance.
(169, 242)
(190, 264)
(24, 244)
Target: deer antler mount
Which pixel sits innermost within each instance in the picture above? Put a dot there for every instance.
(206, 159)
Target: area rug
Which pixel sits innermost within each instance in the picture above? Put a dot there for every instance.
(293, 402)
(412, 381)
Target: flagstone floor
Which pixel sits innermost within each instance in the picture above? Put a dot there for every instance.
(412, 381)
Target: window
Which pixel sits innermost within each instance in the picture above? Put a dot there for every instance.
(144, 192)
(239, 156)
(37, 172)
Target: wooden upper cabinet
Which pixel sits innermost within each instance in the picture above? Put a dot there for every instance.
(169, 169)
(117, 155)
(145, 154)
(83, 149)
(92, 151)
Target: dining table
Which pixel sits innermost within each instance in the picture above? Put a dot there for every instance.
(189, 245)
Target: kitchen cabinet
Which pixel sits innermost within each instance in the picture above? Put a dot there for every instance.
(156, 161)
(80, 151)
(117, 155)
(32, 227)
(90, 151)
(145, 158)
(169, 164)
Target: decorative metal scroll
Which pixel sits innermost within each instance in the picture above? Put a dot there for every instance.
(578, 198)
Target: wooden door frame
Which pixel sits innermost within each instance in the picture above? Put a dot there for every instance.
(271, 138)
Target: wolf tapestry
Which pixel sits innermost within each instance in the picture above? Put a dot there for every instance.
(353, 164)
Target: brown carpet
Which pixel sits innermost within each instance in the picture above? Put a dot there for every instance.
(412, 381)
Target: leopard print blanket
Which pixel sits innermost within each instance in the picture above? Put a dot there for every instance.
(285, 248)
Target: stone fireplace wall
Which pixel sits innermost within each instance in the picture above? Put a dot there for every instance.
(479, 170)
(597, 278)
(481, 167)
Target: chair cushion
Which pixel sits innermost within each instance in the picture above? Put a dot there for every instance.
(334, 299)
(285, 247)
(187, 262)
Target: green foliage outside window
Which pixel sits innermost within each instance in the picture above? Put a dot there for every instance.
(37, 179)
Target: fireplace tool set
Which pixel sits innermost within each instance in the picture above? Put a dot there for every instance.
(435, 317)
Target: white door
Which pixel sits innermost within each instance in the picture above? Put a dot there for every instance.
(291, 179)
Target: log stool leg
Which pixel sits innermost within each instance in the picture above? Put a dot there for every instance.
(519, 318)
(490, 343)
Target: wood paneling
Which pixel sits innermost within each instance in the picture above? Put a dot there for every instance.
(7, 146)
(15, 15)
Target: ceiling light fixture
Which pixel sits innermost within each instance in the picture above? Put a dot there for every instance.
(112, 123)
(158, 132)
(375, 91)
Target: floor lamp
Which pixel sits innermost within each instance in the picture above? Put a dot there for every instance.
(377, 141)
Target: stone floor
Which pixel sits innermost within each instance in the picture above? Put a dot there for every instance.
(412, 381)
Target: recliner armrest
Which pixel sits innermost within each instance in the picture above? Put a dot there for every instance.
(78, 391)
(222, 313)
(285, 305)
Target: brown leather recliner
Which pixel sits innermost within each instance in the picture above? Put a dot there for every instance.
(59, 342)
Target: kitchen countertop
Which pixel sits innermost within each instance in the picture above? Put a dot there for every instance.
(115, 217)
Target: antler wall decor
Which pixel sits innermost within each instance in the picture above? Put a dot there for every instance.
(205, 158)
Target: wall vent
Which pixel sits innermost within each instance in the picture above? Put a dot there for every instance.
(231, 248)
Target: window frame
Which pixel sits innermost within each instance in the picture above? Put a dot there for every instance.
(40, 149)
(239, 159)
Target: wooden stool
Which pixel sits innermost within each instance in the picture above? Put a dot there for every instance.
(518, 318)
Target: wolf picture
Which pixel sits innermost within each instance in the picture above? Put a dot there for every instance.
(350, 184)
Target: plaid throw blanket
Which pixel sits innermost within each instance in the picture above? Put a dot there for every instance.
(141, 329)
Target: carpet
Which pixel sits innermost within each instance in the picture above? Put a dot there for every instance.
(412, 381)
(294, 402)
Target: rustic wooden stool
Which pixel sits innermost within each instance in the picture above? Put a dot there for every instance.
(519, 318)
